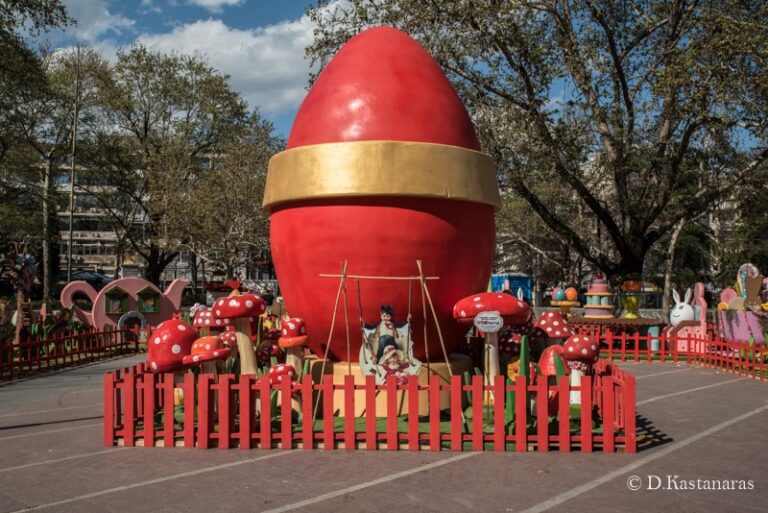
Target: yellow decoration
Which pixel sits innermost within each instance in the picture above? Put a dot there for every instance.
(722, 306)
(381, 168)
(513, 369)
(765, 306)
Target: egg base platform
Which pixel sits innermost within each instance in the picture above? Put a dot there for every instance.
(459, 364)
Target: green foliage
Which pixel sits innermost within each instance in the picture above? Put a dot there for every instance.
(639, 114)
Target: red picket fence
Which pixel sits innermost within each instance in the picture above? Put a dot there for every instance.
(746, 359)
(60, 351)
(235, 411)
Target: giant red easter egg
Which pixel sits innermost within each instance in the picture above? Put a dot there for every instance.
(382, 169)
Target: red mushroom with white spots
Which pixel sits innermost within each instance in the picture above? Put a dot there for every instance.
(512, 310)
(169, 343)
(580, 353)
(240, 309)
(293, 339)
(206, 350)
(205, 322)
(553, 324)
(229, 339)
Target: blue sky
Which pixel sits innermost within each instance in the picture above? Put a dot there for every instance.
(259, 43)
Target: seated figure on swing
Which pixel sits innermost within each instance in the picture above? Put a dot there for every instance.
(377, 360)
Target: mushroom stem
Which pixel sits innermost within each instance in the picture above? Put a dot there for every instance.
(245, 346)
(575, 381)
(295, 356)
(491, 361)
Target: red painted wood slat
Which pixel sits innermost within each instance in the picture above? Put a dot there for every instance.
(499, 409)
(564, 413)
(370, 413)
(349, 413)
(586, 414)
(246, 411)
(457, 425)
(434, 413)
(521, 415)
(392, 436)
(413, 413)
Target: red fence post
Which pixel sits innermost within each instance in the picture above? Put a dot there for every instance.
(190, 391)
(392, 437)
(286, 414)
(521, 415)
(225, 410)
(350, 434)
(499, 411)
(564, 413)
(413, 413)
(307, 427)
(329, 433)
(630, 420)
(129, 384)
(542, 417)
(608, 413)
(109, 409)
(457, 426)
(586, 413)
(169, 422)
(477, 413)
(434, 413)
(149, 409)
(203, 411)
(370, 413)
(246, 410)
(265, 405)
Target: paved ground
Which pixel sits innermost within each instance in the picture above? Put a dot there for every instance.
(700, 424)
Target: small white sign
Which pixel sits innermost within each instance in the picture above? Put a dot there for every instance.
(488, 322)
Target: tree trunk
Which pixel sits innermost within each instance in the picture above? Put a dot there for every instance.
(47, 232)
(157, 261)
(670, 261)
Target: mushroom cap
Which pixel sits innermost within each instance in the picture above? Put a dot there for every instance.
(168, 344)
(204, 319)
(229, 338)
(554, 325)
(293, 333)
(514, 311)
(206, 349)
(581, 348)
(236, 307)
(547, 360)
(277, 373)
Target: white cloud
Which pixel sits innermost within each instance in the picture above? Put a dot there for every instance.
(94, 19)
(214, 5)
(266, 64)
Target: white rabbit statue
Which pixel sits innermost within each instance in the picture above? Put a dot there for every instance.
(682, 311)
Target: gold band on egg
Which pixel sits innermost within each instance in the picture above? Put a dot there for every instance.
(381, 168)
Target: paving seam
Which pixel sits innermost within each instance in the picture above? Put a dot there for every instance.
(662, 373)
(51, 411)
(682, 392)
(368, 484)
(674, 446)
(14, 437)
(58, 460)
(109, 491)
